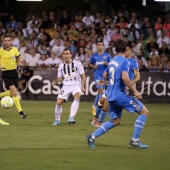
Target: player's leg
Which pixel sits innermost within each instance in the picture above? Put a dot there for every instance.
(14, 93)
(104, 111)
(3, 123)
(132, 105)
(62, 97)
(58, 111)
(75, 105)
(6, 93)
(138, 127)
(115, 113)
(98, 111)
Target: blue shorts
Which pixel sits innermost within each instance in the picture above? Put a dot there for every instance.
(124, 101)
(97, 79)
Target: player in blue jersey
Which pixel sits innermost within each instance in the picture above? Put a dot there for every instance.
(134, 77)
(118, 99)
(99, 62)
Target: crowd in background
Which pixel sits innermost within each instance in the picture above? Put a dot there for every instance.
(42, 38)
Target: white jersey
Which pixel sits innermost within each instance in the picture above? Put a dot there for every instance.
(71, 72)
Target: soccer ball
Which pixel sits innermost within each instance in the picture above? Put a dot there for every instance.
(7, 102)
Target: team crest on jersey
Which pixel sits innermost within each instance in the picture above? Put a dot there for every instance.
(104, 57)
(13, 57)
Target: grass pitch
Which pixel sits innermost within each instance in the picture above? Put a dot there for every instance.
(35, 144)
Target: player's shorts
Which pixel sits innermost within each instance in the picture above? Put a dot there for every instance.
(10, 77)
(97, 79)
(126, 102)
(66, 91)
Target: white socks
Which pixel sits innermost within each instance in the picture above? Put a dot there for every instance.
(74, 107)
(58, 112)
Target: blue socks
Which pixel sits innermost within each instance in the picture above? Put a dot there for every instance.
(103, 129)
(139, 124)
(96, 100)
(102, 116)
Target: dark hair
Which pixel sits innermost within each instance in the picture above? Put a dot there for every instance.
(6, 36)
(100, 42)
(67, 49)
(120, 46)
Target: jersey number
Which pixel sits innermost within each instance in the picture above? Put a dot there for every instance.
(112, 72)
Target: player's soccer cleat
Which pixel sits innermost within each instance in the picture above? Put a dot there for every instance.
(93, 110)
(94, 121)
(137, 144)
(71, 120)
(97, 124)
(3, 123)
(57, 122)
(90, 141)
(23, 115)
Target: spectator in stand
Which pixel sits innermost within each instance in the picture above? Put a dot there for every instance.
(117, 35)
(87, 57)
(81, 55)
(166, 26)
(45, 39)
(154, 51)
(21, 37)
(73, 31)
(164, 49)
(111, 30)
(158, 25)
(134, 22)
(154, 65)
(139, 56)
(91, 45)
(32, 28)
(65, 19)
(142, 67)
(88, 19)
(144, 51)
(54, 61)
(120, 15)
(58, 48)
(42, 63)
(135, 32)
(165, 63)
(21, 27)
(33, 20)
(53, 41)
(34, 40)
(163, 38)
(32, 59)
(43, 49)
(14, 40)
(12, 23)
(152, 42)
(2, 29)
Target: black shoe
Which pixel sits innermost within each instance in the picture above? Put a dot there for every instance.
(22, 114)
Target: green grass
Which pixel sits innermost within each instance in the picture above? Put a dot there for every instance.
(35, 144)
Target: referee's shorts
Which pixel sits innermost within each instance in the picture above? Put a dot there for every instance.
(10, 77)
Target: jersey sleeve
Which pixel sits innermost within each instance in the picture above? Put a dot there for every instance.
(135, 66)
(92, 60)
(59, 73)
(80, 68)
(125, 66)
(17, 54)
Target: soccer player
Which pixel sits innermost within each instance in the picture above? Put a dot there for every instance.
(9, 60)
(99, 62)
(74, 81)
(118, 99)
(134, 77)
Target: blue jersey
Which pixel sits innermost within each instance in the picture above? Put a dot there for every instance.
(133, 66)
(99, 60)
(116, 85)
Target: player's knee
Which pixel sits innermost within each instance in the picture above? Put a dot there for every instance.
(144, 111)
(116, 121)
(100, 105)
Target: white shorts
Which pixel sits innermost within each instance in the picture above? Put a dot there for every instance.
(66, 91)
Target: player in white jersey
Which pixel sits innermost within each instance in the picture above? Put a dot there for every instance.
(74, 80)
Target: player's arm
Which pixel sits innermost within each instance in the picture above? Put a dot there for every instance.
(59, 79)
(106, 79)
(83, 80)
(136, 76)
(91, 63)
(128, 83)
